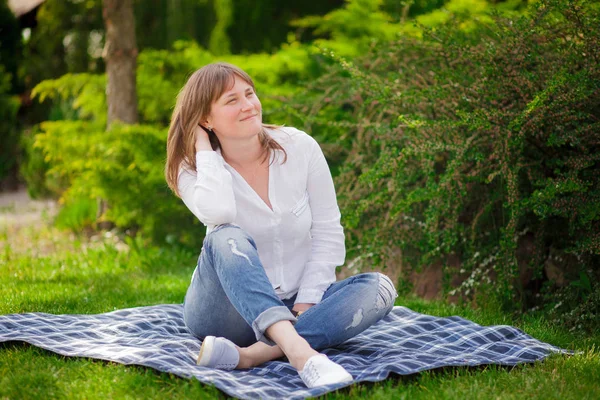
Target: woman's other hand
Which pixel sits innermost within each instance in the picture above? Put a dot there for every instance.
(301, 307)
(201, 139)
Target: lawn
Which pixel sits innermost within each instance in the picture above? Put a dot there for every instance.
(44, 269)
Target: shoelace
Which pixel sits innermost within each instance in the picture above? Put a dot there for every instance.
(226, 366)
(312, 375)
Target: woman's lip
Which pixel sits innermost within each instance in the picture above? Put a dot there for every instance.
(247, 118)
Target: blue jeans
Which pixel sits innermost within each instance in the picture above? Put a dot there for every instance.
(231, 296)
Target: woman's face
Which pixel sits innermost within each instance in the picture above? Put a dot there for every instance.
(237, 113)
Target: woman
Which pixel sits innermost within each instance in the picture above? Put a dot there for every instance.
(265, 279)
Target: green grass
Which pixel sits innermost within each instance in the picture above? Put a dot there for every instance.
(46, 270)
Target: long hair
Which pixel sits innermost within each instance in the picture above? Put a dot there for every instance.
(194, 103)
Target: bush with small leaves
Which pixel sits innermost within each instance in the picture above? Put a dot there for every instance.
(470, 143)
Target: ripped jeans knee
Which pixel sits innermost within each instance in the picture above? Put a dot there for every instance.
(229, 240)
(386, 293)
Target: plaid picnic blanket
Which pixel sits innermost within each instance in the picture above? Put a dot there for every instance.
(405, 342)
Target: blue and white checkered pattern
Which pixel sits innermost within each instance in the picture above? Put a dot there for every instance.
(405, 342)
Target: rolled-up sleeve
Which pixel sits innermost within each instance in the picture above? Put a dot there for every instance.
(328, 248)
(208, 192)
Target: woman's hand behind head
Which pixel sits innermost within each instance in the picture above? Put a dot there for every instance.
(202, 141)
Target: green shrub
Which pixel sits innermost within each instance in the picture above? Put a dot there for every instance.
(350, 29)
(35, 169)
(577, 305)
(123, 166)
(468, 142)
(78, 215)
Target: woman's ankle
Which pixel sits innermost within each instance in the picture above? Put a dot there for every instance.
(246, 360)
(299, 354)
(294, 346)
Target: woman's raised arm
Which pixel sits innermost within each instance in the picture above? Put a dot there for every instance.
(208, 191)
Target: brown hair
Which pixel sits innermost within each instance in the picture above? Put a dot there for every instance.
(194, 103)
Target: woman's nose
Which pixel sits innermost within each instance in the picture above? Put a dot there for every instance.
(247, 104)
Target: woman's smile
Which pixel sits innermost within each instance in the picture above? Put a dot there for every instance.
(249, 117)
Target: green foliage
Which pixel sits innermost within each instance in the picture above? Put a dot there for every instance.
(65, 33)
(219, 41)
(359, 25)
(470, 140)
(9, 105)
(78, 215)
(576, 306)
(123, 166)
(351, 28)
(161, 74)
(160, 23)
(69, 35)
(10, 49)
(262, 26)
(35, 169)
(401, 10)
(79, 96)
(10, 44)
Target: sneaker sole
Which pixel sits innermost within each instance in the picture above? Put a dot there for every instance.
(206, 351)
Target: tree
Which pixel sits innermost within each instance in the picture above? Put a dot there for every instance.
(120, 55)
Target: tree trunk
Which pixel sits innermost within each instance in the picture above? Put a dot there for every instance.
(120, 54)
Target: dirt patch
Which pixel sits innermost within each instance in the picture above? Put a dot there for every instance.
(17, 210)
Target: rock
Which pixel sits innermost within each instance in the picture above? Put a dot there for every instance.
(560, 267)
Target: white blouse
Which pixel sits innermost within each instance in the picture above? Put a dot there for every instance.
(301, 241)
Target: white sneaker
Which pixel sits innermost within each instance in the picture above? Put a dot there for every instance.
(319, 370)
(218, 352)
